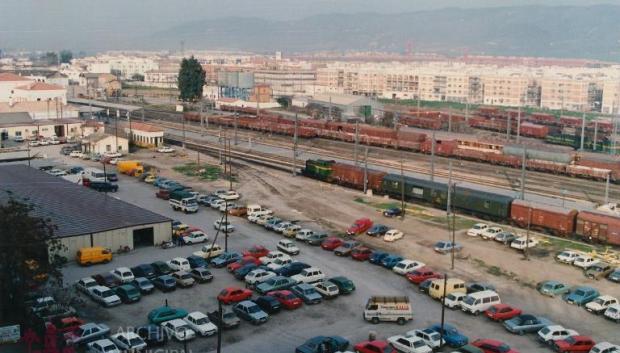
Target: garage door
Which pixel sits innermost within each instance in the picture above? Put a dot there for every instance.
(143, 237)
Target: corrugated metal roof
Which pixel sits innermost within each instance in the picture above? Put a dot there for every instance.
(74, 209)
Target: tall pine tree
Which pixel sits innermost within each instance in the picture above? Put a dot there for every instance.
(191, 80)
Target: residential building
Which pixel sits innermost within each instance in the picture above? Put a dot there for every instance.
(42, 110)
(102, 143)
(286, 81)
(21, 124)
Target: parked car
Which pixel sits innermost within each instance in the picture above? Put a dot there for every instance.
(552, 288)
(161, 268)
(331, 243)
(451, 335)
(309, 275)
(307, 293)
(287, 299)
(345, 248)
(165, 313)
(444, 247)
(316, 238)
(613, 313)
(250, 311)
(194, 237)
(84, 284)
(523, 243)
(614, 276)
(234, 295)
(490, 233)
(391, 260)
(600, 304)
(65, 324)
(409, 344)
(605, 347)
(144, 270)
(359, 226)
(393, 235)
(422, 274)
(86, 333)
(144, 285)
(242, 272)
(232, 267)
(581, 295)
(288, 247)
(256, 251)
(526, 323)
(377, 230)
(393, 212)
(567, 256)
(179, 330)
(585, 261)
(345, 285)
(406, 266)
(123, 274)
(200, 323)
(201, 275)
(598, 271)
(229, 318)
(493, 346)
(291, 231)
(453, 300)
(377, 257)
(574, 344)
(374, 346)
(257, 276)
(268, 304)
(272, 256)
(361, 253)
(505, 237)
(128, 341)
(165, 283)
(107, 280)
(104, 296)
(477, 229)
(502, 312)
(102, 346)
(551, 333)
(321, 344)
(303, 234)
(225, 258)
(291, 269)
(327, 289)
(223, 226)
(196, 261)
(128, 293)
(432, 338)
(209, 251)
(479, 287)
(275, 283)
(279, 263)
(183, 279)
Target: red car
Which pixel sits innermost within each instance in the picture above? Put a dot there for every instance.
(361, 253)
(493, 346)
(66, 324)
(234, 295)
(574, 344)
(242, 262)
(501, 312)
(422, 274)
(360, 226)
(331, 243)
(287, 299)
(256, 251)
(374, 347)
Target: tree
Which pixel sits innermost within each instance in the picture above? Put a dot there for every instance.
(191, 80)
(65, 56)
(28, 258)
(51, 58)
(137, 77)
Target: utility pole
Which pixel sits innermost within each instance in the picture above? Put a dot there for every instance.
(508, 128)
(236, 118)
(357, 138)
(450, 121)
(519, 125)
(220, 327)
(595, 135)
(230, 173)
(402, 186)
(583, 130)
(329, 117)
(607, 189)
(183, 118)
(433, 157)
(443, 307)
(527, 234)
(295, 147)
(366, 170)
(118, 113)
(523, 163)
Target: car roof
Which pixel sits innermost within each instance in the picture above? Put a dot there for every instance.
(197, 314)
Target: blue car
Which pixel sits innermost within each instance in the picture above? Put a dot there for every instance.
(451, 335)
(307, 293)
(526, 323)
(292, 269)
(377, 230)
(197, 261)
(320, 344)
(377, 256)
(393, 212)
(241, 272)
(250, 311)
(581, 295)
(391, 260)
(614, 276)
(225, 259)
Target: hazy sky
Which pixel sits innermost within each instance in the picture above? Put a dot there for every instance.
(47, 23)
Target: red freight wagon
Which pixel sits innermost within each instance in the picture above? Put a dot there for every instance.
(556, 220)
(542, 118)
(312, 123)
(376, 131)
(442, 147)
(534, 130)
(545, 166)
(587, 172)
(470, 154)
(599, 227)
(424, 123)
(502, 159)
(571, 121)
(350, 175)
(410, 136)
(613, 166)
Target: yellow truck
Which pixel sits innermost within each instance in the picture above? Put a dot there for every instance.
(133, 168)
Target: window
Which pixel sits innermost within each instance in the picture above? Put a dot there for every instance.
(108, 148)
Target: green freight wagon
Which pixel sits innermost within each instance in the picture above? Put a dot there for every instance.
(426, 191)
(318, 169)
(480, 203)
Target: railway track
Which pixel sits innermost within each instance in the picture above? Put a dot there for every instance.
(483, 174)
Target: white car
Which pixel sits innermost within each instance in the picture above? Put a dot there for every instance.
(261, 220)
(567, 256)
(112, 154)
(282, 226)
(272, 256)
(200, 323)
(230, 195)
(490, 233)
(600, 304)
(550, 333)
(411, 344)
(309, 275)
(123, 274)
(523, 242)
(258, 276)
(453, 300)
(195, 237)
(227, 206)
(393, 235)
(327, 289)
(179, 329)
(102, 346)
(18, 139)
(279, 263)
(165, 149)
(477, 229)
(430, 337)
(223, 226)
(54, 142)
(86, 283)
(406, 266)
(128, 341)
(216, 204)
(44, 142)
(179, 264)
(613, 313)
(104, 296)
(209, 251)
(585, 261)
(605, 347)
(56, 172)
(304, 234)
(34, 143)
(288, 247)
(76, 154)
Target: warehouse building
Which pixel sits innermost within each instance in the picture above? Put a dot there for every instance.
(83, 217)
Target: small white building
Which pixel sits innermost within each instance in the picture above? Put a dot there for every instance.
(39, 92)
(102, 143)
(144, 135)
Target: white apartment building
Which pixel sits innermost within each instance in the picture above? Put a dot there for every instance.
(287, 81)
(161, 78)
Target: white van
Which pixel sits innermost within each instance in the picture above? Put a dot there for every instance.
(253, 208)
(478, 302)
(94, 174)
(388, 309)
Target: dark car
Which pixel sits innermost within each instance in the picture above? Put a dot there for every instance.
(316, 238)
(425, 286)
(197, 261)
(268, 304)
(161, 268)
(292, 269)
(153, 335)
(225, 259)
(377, 230)
(346, 248)
(128, 293)
(144, 270)
(479, 287)
(240, 273)
(614, 276)
(144, 285)
(377, 257)
(320, 344)
(107, 280)
(103, 186)
(75, 170)
(165, 283)
(201, 275)
(393, 212)
(111, 176)
(229, 318)
(345, 285)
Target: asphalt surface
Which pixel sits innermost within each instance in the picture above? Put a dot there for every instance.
(286, 330)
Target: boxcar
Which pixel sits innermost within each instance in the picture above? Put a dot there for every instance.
(555, 220)
(487, 205)
(353, 176)
(598, 227)
(420, 190)
(318, 169)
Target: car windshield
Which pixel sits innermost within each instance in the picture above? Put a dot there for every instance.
(580, 293)
(135, 341)
(308, 291)
(418, 344)
(504, 348)
(202, 321)
(599, 301)
(107, 293)
(169, 281)
(253, 309)
(451, 297)
(185, 276)
(545, 330)
(435, 337)
(401, 265)
(109, 348)
(229, 315)
(469, 300)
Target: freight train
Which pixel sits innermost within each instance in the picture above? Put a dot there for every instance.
(591, 226)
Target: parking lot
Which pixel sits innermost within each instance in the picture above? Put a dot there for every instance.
(341, 316)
